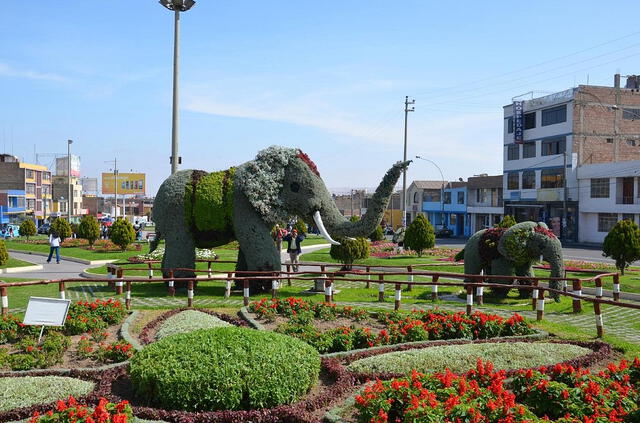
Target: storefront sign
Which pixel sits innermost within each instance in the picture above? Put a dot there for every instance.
(518, 122)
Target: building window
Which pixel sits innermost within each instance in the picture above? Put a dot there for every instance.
(631, 143)
(630, 114)
(606, 221)
(30, 188)
(510, 125)
(460, 197)
(609, 140)
(530, 120)
(513, 180)
(447, 197)
(31, 204)
(29, 174)
(554, 115)
(528, 150)
(46, 176)
(553, 146)
(552, 178)
(452, 219)
(481, 195)
(415, 197)
(600, 188)
(529, 179)
(513, 152)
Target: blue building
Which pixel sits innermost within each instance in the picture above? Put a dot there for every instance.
(12, 204)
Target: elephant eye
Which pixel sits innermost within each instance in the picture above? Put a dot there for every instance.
(295, 187)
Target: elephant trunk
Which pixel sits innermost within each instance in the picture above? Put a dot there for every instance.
(552, 254)
(338, 225)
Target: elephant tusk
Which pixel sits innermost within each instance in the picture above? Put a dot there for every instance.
(318, 219)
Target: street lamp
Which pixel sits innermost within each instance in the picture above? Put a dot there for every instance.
(441, 190)
(69, 142)
(176, 6)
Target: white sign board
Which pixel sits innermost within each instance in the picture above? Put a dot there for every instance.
(46, 311)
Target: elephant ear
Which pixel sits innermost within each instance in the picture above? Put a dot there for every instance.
(516, 245)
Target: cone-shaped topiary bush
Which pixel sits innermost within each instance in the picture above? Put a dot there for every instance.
(377, 235)
(89, 229)
(622, 244)
(61, 227)
(506, 222)
(419, 235)
(224, 369)
(122, 233)
(4, 254)
(350, 250)
(27, 228)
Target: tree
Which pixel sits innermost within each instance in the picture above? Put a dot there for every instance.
(377, 235)
(28, 228)
(419, 235)
(122, 233)
(89, 229)
(354, 218)
(506, 222)
(622, 244)
(301, 226)
(61, 227)
(350, 250)
(4, 254)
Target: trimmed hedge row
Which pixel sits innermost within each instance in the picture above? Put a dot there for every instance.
(224, 369)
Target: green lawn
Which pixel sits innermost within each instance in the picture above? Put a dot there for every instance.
(15, 263)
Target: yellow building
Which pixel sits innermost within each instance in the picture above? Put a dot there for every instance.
(34, 179)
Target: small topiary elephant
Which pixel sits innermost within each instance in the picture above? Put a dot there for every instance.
(513, 251)
(194, 208)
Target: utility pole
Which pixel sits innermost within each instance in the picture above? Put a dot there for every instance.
(563, 224)
(404, 172)
(69, 142)
(351, 202)
(115, 183)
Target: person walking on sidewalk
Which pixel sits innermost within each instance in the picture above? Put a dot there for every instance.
(54, 245)
(294, 240)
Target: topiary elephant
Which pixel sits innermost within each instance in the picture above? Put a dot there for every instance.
(194, 208)
(513, 251)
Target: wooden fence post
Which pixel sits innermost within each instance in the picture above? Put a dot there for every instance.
(434, 288)
(172, 288)
(288, 275)
(410, 277)
(245, 292)
(616, 287)
(540, 305)
(227, 291)
(469, 298)
(111, 274)
(150, 270)
(577, 290)
(368, 277)
(328, 291)
(190, 293)
(5, 300)
(599, 325)
(61, 290)
(598, 288)
(381, 288)
(480, 291)
(398, 296)
(209, 269)
(274, 288)
(534, 294)
(119, 282)
(127, 300)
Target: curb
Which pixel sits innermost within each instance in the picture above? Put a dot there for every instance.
(124, 331)
(22, 269)
(74, 259)
(244, 313)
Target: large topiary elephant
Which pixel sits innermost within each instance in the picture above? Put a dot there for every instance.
(194, 208)
(513, 251)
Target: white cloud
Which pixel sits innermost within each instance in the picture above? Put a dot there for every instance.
(6, 70)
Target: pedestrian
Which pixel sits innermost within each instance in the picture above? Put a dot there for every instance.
(10, 232)
(294, 240)
(278, 234)
(54, 245)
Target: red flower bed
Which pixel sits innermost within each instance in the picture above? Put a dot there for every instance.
(74, 412)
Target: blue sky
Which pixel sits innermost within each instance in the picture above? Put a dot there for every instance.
(328, 77)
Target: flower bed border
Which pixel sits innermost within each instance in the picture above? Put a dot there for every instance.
(599, 351)
(145, 333)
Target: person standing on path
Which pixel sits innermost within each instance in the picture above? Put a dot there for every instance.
(294, 240)
(54, 245)
(278, 234)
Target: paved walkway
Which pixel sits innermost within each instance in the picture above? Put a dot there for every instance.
(66, 269)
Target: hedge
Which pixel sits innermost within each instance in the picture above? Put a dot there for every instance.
(224, 369)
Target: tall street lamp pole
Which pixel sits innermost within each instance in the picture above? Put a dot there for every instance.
(441, 189)
(176, 6)
(69, 142)
(404, 171)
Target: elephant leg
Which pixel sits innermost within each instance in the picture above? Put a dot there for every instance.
(527, 272)
(501, 266)
(179, 252)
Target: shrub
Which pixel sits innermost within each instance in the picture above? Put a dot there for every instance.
(506, 222)
(122, 233)
(89, 229)
(4, 254)
(61, 227)
(377, 235)
(115, 352)
(300, 226)
(622, 244)
(224, 369)
(28, 228)
(350, 250)
(419, 235)
(188, 321)
(27, 391)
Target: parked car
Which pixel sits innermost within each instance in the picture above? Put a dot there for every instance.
(6, 233)
(444, 233)
(44, 229)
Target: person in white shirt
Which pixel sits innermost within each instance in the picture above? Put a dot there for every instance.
(54, 245)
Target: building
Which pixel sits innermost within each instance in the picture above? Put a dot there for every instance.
(455, 209)
(61, 194)
(485, 206)
(572, 141)
(424, 197)
(34, 180)
(350, 204)
(12, 206)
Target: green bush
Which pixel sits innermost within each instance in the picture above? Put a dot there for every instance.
(89, 229)
(122, 233)
(622, 244)
(301, 227)
(506, 222)
(419, 235)
(28, 228)
(61, 227)
(224, 369)
(4, 254)
(350, 250)
(377, 235)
